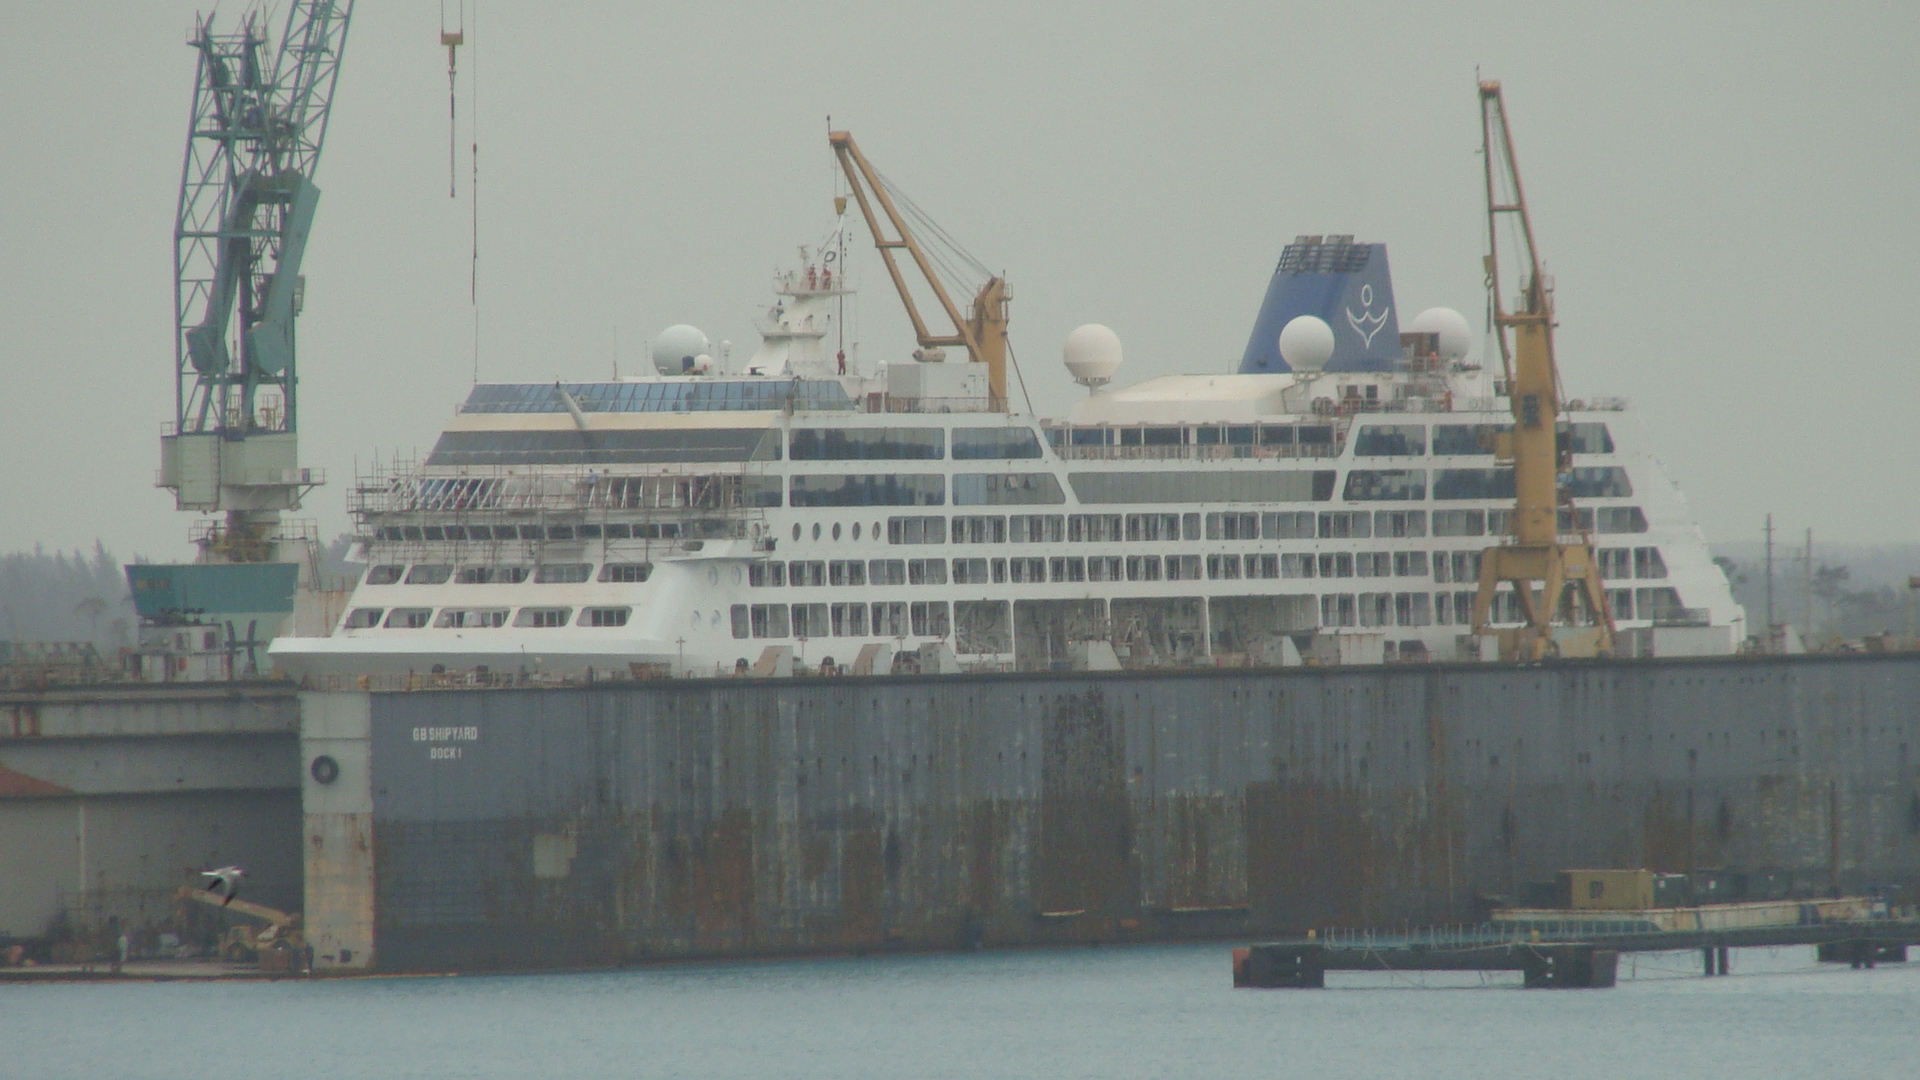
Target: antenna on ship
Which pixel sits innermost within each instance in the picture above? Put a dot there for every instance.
(1092, 356)
(452, 39)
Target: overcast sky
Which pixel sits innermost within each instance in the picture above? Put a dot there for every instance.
(1725, 194)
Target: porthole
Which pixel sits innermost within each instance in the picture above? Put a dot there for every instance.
(796, 530)
(739, 575)
(324, 769)
(856, 530)
(713, 576)
(836, 530)
(816, 530)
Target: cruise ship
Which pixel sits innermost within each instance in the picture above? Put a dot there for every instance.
(1327, 503)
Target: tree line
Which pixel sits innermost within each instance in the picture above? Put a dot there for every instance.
(66, 596)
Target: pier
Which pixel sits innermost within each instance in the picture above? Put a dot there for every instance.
(1588, 962)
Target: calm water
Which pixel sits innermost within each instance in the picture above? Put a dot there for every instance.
(1129, 1012)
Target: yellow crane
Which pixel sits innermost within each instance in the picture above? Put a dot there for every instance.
(983, 333)
(1556, 579)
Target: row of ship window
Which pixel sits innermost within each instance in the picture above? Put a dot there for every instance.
(1014, 443)
(1094, 528)
(567, 573)
(419, 618)
(1043, 488)
(665, 530)
(1269, 525)
(740, 444)
(827, 490)
(1372, 440)
(1410, 485)
(931, 618)
(1444, 566)
(969, 489)
(984, 444)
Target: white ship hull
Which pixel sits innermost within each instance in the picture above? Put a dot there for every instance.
(704, 525)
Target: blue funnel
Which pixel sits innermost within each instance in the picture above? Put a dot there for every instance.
(1345, 284)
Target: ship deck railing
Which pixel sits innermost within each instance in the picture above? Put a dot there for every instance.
(1220, 452)
(696, 487)
(888, 403)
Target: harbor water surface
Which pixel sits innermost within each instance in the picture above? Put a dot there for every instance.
(1105, 1012)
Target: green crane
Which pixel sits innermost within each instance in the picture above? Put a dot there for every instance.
(247, 199)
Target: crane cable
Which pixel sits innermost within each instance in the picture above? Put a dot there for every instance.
(959, 265)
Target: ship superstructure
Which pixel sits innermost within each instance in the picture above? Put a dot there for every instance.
(797, 510)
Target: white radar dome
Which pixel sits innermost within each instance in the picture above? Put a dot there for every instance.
(677, 348)
(1456, 335)
(1092, 355)
(1306, 343)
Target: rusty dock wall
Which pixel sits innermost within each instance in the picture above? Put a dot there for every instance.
(543, 828)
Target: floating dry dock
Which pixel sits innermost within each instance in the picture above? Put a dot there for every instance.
(540, 828)
(605, 825)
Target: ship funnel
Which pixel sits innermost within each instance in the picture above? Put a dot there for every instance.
(1346, 286)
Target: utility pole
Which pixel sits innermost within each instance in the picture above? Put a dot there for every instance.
(1807, 569)
(1769, 577)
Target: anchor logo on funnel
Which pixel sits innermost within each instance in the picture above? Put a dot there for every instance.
(1367, 323)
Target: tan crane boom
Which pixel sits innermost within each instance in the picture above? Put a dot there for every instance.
(241, 941)
(984, 333)
(1557, 583)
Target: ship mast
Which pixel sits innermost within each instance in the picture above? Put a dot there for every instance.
(983, 333)
(1556, 580)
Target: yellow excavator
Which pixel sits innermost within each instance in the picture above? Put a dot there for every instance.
(983, 333)
(273, 946)
(1555, 578)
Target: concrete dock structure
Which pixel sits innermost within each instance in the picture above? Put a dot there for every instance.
(441, 829)
(111, 797)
